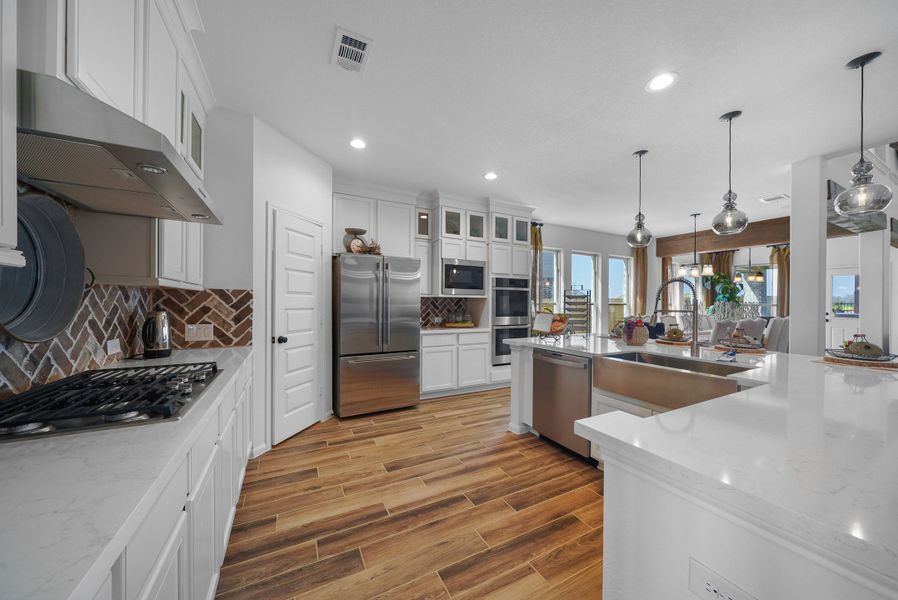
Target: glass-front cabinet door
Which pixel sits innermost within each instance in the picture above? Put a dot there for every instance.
(453, 223)
(476, 226)
(501, 228)
(521, 231)
(423, 219)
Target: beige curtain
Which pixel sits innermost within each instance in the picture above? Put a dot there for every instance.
(721, 262)
(640, 279)
(536, 248)
(779, 256)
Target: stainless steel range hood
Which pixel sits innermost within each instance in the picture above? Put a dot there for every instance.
(75, 146)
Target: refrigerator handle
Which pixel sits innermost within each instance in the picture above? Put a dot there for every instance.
(380, 299)
(386, 303)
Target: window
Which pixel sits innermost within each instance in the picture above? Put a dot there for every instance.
(760, 292)
(619, 290)
(846, 295)
(550, 279)
(584, 278)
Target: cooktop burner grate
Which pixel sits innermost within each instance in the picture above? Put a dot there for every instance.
(104, 397)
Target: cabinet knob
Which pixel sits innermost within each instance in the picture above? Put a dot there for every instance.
(282, 339)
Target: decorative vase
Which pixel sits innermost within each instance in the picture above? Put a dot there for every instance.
(635, 333)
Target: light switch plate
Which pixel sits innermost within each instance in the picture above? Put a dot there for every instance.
(113, 346)
(708, 585)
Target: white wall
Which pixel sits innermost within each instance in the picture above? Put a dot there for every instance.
(571, 239)
(229, 180)
(287, 176)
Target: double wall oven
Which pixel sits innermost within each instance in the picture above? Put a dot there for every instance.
(511, 315)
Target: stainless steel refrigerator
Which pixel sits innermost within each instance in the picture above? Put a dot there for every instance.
(377, 321)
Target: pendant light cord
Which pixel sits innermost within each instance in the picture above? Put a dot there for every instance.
(640, 184)
(695, 239)
(730, 173)
(862, 112)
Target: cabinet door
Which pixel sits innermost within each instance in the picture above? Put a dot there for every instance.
(160, 74)
(101, 49)
(395, 224)
(475, 251)
(477, 224)
(172, 243)
(225, 500)
(452, 223)
(352, 211)
(452, 249)
(500, 259)
(473, 363)
(439, 368)
(520, 261)
(501, 228)
(522, 231)
(422, 251)
(203, 537)
(192, 127)
(423, 223)
(248, 422)
(170, 578)
(194, 252)
(8, 227)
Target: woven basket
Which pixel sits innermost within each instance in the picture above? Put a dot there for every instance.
(640, 336)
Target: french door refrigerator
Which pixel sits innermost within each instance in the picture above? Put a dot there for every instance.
(377, 320)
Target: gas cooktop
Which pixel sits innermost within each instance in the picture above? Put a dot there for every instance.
(104, 398)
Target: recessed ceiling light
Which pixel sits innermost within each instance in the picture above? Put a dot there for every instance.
(662, 81)
(490, 176)
(357, 143)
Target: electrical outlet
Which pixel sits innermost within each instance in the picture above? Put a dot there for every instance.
(708, 585)
(113, 346)
(198, 332)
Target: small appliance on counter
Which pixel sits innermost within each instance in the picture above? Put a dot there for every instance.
(156, 334)
(104, 398)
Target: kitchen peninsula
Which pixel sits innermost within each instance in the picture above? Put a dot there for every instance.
(787, 488)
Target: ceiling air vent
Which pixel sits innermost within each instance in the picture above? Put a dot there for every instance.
(777, 198)
(351, 50)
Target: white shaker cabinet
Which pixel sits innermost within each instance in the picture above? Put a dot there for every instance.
(423, 253)
(203, 535)
(500, 259)
(171, 577)
(520, 261)
(192, 126)
(522, 231)
(160, 88)
(501, 228)
(101, 50)
(395, 228)
(439, 363)
(180, 248)
(475, 251)
(8, 197)
(225, 501)
(353, 211)
(473, 359)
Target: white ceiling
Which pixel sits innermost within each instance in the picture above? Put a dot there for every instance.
(550, 95)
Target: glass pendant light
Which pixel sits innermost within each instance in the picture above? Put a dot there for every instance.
(864, 196)
(695, 269)
(738, 278)
(730, 220)
(640, 236)
(752, 276)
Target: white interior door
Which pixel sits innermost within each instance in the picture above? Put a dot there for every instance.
(296, 318)
(842, 305)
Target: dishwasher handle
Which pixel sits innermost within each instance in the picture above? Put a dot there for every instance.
(555, 358)
(562, 363)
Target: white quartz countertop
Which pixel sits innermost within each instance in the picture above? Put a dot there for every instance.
(811, 449)
(71, 502)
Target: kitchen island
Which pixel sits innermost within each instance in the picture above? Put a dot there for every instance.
(89, 515)
(787, 488)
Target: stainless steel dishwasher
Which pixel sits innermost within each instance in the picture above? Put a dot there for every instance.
(562, 393)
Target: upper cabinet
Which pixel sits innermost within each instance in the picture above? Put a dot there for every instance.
(392, 224)
(395, 223)
(101, 50)
(501, 230)
(522, 231)
(452, 223)
(160, 73)
(193, 123)
(8, 227)
(423, 223)
(476, 226)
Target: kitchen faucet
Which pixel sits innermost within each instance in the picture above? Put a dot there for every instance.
(693, 346)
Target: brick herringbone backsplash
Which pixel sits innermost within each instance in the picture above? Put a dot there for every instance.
(440, 307)
(108, 312)
(229, 311)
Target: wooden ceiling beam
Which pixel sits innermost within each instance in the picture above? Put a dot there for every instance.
(758, 233)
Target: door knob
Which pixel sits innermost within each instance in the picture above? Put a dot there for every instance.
(282, 339)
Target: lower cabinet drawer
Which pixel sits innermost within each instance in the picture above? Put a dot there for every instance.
(144, 549)
(431, 340)
(465, 339)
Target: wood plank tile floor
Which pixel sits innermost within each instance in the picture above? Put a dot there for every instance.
(436, 501)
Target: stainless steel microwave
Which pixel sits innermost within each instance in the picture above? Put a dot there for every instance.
(463, 277)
